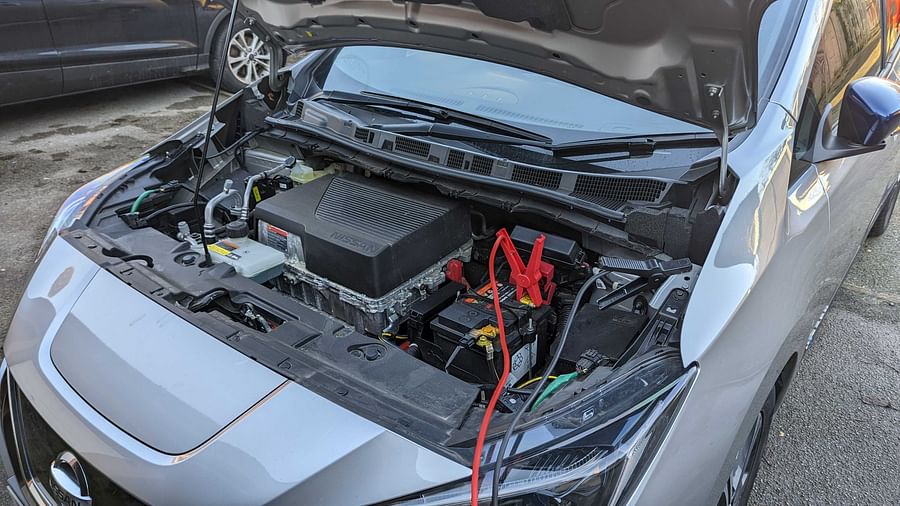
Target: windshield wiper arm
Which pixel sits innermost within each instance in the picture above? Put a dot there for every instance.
(634, 145)
(457, 132)
(440, 114)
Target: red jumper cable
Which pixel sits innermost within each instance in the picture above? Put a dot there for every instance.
(528, 280)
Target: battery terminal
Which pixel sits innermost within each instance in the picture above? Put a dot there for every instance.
(485, 339)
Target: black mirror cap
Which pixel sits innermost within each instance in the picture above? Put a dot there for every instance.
(870, 111)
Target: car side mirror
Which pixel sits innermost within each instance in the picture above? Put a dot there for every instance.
(870, 112)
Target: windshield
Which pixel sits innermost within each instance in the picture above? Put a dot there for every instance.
(532, 101)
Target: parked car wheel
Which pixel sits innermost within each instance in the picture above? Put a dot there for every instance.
(884, 215)
(746, 463)
(249, 57)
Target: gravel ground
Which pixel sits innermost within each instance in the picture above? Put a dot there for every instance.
(835, 440)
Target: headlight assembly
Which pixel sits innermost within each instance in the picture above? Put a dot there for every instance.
(78, 202)
(592, 451)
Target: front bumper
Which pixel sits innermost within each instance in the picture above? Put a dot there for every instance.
(27, 442)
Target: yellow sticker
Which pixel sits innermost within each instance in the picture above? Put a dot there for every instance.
(218, 249)
(256, 194)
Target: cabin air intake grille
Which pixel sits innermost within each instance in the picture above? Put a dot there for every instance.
(603, 190)
(482, 165)
(455, 159)
(412, 147)
(600, 189)
(363, 134)
(536, 177)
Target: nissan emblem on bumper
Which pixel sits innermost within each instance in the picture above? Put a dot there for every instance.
(68, 482)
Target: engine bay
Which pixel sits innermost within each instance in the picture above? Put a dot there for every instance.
(409, 267)
(375, 289)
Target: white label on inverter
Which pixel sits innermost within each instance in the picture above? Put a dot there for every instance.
(521, 362)
(272, 236)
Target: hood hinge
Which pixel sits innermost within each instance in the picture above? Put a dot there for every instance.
(718, 91)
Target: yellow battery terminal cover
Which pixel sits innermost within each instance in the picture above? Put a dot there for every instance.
(485, 340)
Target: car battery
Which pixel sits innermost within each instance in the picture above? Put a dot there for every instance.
(466, 339)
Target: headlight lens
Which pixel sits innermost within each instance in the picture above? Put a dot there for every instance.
(78, 202)
(591, 452)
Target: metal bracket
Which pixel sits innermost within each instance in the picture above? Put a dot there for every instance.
(717, 91)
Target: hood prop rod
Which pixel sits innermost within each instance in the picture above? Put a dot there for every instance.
(717, 91)
(209, 125)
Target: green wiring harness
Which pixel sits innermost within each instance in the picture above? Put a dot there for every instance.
(554, 385)
(137, 202)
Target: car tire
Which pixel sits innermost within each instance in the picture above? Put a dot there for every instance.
(740, 481)
(248, 56)
(880, 226)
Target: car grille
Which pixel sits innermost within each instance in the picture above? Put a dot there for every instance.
(33, 446)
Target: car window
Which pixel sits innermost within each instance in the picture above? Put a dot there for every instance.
(533, 101)
(850, 48)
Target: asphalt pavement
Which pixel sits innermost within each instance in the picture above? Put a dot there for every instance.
(835, 440)
(836, 437)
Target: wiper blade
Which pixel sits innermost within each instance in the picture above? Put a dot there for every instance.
(634, 145)
(456, 132)
(440, 114)
(471, 119)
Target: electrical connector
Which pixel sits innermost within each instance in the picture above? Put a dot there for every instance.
(590, 359)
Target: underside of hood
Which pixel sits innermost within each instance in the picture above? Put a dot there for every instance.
(686, 59)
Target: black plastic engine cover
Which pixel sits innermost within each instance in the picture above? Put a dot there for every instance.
(368, 234)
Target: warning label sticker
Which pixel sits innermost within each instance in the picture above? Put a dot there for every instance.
(507, 292)
(226, 249)
(274, 237)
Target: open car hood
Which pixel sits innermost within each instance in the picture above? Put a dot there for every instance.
(668, 56)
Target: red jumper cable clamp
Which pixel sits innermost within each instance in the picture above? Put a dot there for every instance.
(535, 279)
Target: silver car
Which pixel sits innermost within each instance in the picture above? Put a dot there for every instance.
(577, 247)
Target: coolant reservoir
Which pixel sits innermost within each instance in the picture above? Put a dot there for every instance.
(249, 258)
(302, 173)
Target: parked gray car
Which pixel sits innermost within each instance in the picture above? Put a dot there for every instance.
(50, 48)
(580, 247)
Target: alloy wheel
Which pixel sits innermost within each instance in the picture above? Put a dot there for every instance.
(248, 56)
